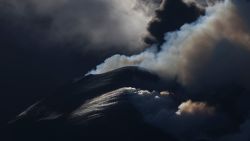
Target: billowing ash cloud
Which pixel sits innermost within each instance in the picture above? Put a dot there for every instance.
(170, 16)
(198, 54)
(210, 59)
(96, 23)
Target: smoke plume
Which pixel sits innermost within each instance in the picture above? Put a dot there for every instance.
(210, 59)
(199, 53)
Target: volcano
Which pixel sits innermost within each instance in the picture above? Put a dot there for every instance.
(93, 107)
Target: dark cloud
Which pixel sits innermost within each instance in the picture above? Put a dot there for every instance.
(99, 24)
(171, 15)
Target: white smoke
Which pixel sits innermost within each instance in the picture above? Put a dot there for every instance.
(192, 53)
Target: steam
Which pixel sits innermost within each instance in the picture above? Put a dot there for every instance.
(198, 54)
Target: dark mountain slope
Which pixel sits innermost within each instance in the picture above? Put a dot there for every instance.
(100, 116)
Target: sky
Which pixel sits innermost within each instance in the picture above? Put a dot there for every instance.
(203, 45)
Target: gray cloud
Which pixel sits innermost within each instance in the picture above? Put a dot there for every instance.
(96, 23)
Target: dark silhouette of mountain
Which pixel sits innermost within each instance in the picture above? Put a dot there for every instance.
(51, 118)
